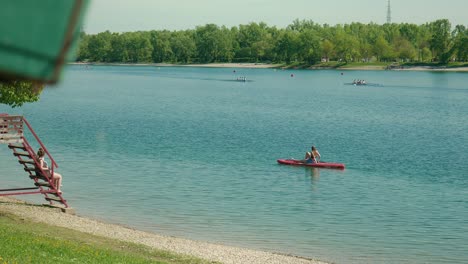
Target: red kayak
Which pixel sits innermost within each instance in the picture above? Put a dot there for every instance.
(329, 165)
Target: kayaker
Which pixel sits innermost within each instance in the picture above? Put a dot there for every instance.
(310, 157)
(316, 154)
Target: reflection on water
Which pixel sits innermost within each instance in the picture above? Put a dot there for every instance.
(313, 173)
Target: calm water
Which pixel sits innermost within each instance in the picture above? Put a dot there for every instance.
(189, 152)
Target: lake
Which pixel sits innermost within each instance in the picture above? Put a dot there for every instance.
(191, 152)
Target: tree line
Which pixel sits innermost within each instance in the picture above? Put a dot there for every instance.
(303, 41)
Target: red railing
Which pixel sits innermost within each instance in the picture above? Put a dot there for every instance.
(15, 123)
(19, 129)
(54, 164)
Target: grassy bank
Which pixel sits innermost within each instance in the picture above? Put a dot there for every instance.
(435, 64)
(23, 241)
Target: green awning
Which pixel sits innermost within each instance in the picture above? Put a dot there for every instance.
(37, 37)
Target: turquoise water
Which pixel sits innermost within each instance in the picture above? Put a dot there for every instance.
(189, 152)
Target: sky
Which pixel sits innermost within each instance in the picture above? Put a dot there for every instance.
(135, 15)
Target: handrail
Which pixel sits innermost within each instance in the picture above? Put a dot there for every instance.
(49, 176)
(40, 143)
(36, 160)
(16, 124)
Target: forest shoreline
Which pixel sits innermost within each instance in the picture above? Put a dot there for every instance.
(281, 66)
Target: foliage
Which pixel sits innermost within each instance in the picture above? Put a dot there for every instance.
(16, 93)
(213, 43)
(440, 40)
(302, 42)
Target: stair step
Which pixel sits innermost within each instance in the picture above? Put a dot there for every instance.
(54, 199)
(30, 169)
(43, 184)
(38, 177)
(24, 154)
(54, 194)
(11, 146)
(26, 162)
(18, 122)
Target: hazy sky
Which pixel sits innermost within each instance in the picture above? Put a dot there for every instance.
(133, 15)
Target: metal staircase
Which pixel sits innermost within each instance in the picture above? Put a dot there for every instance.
(11, 133)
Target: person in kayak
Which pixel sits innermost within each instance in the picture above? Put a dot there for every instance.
(310, 157)
(315, 154)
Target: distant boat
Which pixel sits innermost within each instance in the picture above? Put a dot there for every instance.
(353, 83)
(364, 84)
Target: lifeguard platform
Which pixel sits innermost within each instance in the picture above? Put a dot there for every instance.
(12, 129)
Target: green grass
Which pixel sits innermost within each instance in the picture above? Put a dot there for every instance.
(364, 64)
(22, 241)
(340, 65)
(437, 64)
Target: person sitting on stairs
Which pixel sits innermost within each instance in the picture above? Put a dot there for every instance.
(57, 178)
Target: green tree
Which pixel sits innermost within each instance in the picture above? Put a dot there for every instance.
(118, 49)
(82, 53)
(261, 49)
(141, 45)
(440, 40)
(346, 46)
(302, 40)
(327, 49)
(409, 32)
(183, 46)
(162, 51)
(405, 50)
(302, 25)
(426, 54)
(365, 49)
(310, 49)
(422, 43)
(226, 50)
(391, 32)
(16, 93)
(372, 33)
(255, 41)
(213, 43)
(287, 46)
(99, 47)
(382, 49)
(460, 45)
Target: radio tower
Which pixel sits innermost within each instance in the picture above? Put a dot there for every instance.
(389, 13)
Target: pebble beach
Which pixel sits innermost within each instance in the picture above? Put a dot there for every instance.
(204, 250)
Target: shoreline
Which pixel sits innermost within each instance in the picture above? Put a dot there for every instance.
(204, 250)
(208, 65)
(278, 66)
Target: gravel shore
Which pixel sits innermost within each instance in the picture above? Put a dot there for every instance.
(268, 65)
(208, 251)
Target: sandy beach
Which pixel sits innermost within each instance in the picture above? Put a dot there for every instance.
(208, 65)
(236, 65)
(277, 66)
(204, 250)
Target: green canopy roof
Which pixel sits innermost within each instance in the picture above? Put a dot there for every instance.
(38, 37)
